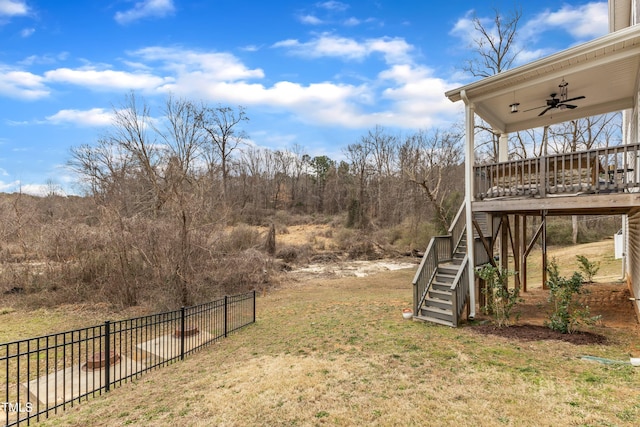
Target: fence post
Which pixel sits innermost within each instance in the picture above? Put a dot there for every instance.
(107, 355)
(182, 327)
(254, 306)
(226, 328)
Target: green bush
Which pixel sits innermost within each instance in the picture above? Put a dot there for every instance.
(568, 313)
(500, 301)
(588, 268)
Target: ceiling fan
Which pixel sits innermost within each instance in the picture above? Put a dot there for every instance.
(560, 102)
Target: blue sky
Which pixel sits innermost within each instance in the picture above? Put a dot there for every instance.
(316, 74)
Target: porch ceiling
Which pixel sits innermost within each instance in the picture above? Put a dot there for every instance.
(604, 70)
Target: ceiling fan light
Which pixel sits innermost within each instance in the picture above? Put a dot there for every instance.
(514, 107)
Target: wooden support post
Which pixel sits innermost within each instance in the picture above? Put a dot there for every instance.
(523, 261)
(533, 241)
(504, 248)
(516, 251)
(544, 250)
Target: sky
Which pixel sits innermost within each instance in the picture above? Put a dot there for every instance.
(316, 74)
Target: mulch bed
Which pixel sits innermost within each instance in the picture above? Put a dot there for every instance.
(609, 300)
(538, 333)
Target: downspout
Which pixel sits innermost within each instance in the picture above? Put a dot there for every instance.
(469, 160)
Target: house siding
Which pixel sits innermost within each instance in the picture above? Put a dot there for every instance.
(634, 256)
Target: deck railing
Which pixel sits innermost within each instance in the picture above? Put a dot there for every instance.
(602, 170)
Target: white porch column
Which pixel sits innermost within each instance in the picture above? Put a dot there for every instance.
(503, 147)
(469, 160)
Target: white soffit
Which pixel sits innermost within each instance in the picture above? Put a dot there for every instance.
(604, 71)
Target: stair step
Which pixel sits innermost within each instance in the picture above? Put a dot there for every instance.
(440, 294)
(448, 268)
(434, 320)
(437, 313)
(441, 286)
(444, 278)
(439, 303)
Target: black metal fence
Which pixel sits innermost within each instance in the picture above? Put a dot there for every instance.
(47, 374)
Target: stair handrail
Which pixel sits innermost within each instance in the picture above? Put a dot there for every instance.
(458, 228)
(459, 288)
(424, 275)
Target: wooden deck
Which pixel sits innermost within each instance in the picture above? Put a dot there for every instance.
(600, 180)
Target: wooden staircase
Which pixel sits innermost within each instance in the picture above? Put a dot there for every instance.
(437, 306)
(441, 284)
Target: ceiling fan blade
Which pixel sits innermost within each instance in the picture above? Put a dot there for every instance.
(545, 110)
(534, 108)
(574, 99)
(569, 106)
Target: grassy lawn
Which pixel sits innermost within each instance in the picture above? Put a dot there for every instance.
(337, 352)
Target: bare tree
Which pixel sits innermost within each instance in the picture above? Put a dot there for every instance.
(359, 157)
(222, 125)
(382, 147)
(584, 134)
(436, 157)
(494, 51)
(494, 45)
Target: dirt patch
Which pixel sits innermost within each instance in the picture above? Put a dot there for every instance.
(338, 269)
(540, 333)
(609, 300)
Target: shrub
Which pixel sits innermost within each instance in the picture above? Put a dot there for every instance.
(588, 268)
(568, 313)
(293, 253)
(500, 299)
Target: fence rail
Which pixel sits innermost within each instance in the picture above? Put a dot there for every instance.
(47, 374)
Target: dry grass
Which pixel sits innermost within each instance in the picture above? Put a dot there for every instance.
(603, 252)
(337, 352)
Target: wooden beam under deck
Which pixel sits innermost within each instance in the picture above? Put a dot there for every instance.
(583, 204)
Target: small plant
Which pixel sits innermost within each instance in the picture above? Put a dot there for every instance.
(500, 300)
(567, 313)
(588, 268)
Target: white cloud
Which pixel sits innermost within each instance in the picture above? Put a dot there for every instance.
(92, 117)
(395, 50)
(221, 77)
(583, 22)
(21, 84)
(32, 189)
(569, 24)
(205, 65)
(43, 59)
(417, 96)
(8, 187)
(310, 20)
(146, 9)
(13, 8)
(27, 32)
(250, 48)
(351, 22)
(333, 5)
(106, 79)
